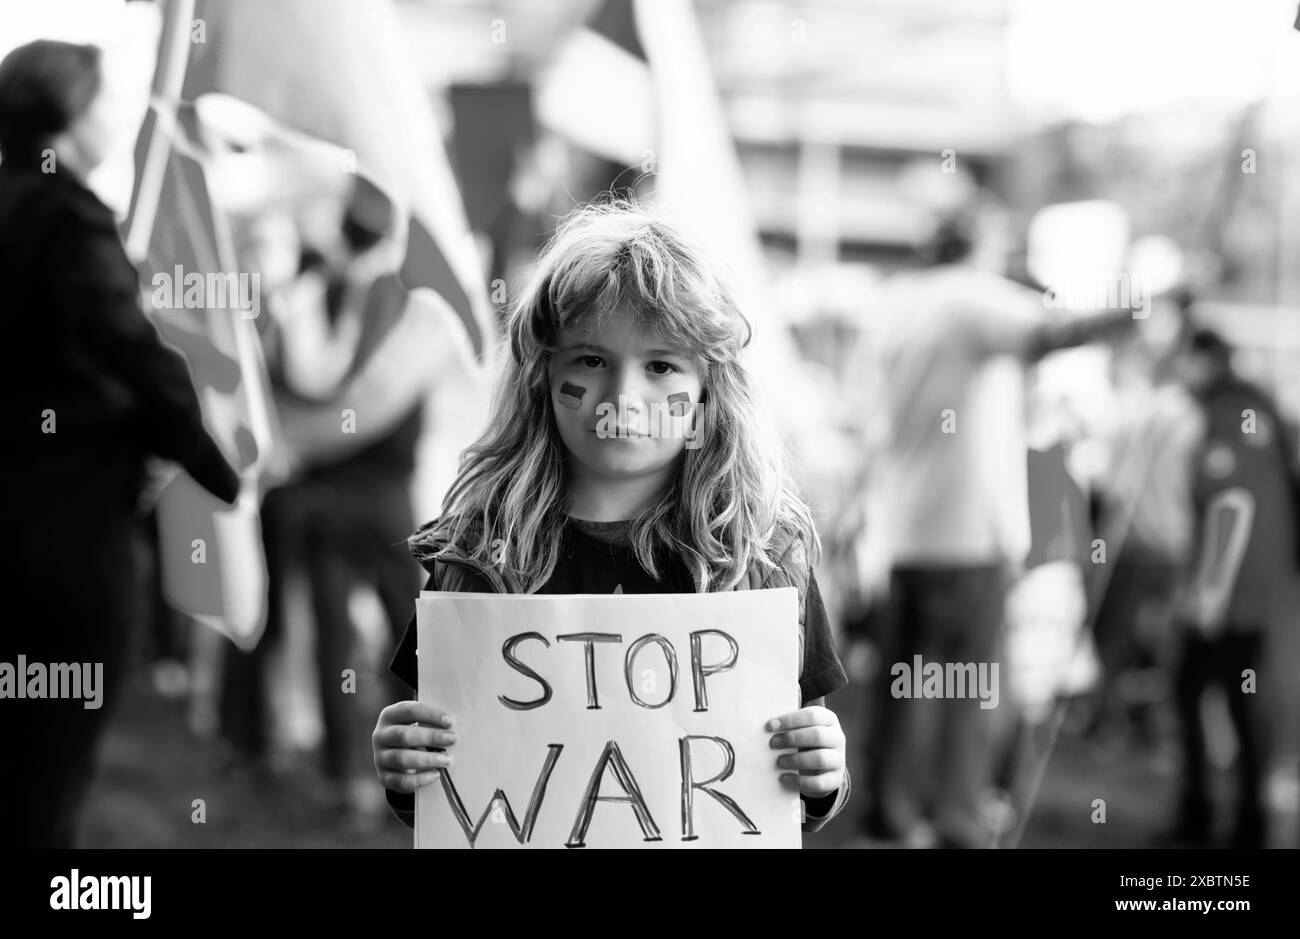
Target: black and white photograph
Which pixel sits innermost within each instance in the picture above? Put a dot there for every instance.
(625, 425)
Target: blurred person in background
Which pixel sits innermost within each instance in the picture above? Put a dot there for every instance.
(354, 358)
(97, 391)
(1244, 561)
(1048, 654)
(1146, 518)
(956, 519)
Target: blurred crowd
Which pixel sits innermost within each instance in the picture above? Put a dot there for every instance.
(1122, 540)
(1095, 497)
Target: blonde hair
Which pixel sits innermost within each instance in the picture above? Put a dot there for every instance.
(728, 496)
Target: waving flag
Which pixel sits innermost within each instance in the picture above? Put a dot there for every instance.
(210, 555)
(336, 70)
(634, 85)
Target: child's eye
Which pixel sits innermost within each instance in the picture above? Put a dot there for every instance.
(663, 368)
(590, 361)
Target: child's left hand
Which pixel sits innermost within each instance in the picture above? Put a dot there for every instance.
(817, 769)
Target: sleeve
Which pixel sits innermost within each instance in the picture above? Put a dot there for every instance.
(1001, 316)
(404, 662)
(1007, 317)
(403, 806)
(822, 672)
(1077, 330)
(405, 666)
(817, 812)
(95, 283)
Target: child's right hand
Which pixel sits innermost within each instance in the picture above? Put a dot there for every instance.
(403, 744)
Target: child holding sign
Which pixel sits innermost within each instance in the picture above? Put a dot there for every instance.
(625, 453)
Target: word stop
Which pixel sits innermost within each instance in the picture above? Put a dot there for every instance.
(700, 670)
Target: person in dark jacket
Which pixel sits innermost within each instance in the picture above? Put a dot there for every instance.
(93, 391)
(1237, 598)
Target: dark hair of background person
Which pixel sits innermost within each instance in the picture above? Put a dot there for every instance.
(44, 87)
(1209, 343)
(951, 240)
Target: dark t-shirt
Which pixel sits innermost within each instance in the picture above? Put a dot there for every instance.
(595, 557)
(1256, 460)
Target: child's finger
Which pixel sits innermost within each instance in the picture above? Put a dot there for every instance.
(414, 735)
(820, 736)
(422, 760)
(804, 717)
(406, 782)
(812, 761)
(813, 784)
(421, 712)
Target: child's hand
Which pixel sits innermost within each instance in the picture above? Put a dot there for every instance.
(817, 769)
(402, 744)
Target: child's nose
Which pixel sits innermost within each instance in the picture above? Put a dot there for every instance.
(629, 389)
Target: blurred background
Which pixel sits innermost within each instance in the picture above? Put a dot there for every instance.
(371, 158)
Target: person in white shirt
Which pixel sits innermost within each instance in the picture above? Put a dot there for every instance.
(955, 517)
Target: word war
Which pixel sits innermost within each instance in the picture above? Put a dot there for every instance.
(611, 760)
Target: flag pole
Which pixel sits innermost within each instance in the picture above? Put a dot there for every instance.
(168, 79)
(164, 136)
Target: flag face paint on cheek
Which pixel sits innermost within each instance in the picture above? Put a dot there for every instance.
(571, 395)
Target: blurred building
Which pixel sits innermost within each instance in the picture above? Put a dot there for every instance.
(1041, 102)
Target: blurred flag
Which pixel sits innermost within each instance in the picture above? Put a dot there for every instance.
(210, 554)
(634, 85)
(339, 71)
(598, 92)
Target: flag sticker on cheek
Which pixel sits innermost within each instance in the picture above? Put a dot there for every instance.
(571, 395)
(679, 404)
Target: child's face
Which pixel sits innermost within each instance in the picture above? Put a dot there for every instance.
(622, 398)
